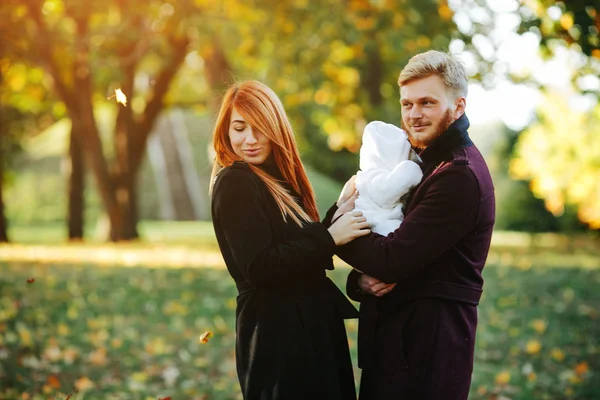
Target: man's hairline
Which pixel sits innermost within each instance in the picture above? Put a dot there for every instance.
(454, 95)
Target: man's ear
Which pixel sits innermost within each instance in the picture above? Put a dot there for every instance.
(459, 107)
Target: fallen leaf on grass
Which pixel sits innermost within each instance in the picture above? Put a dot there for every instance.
(502, 378)
(30, 280)
(84, 383)
(582, 368)
(53, 382)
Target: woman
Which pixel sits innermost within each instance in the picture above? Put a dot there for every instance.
(290, 337)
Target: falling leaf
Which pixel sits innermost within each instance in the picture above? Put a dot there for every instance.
(69, 396)
(205, 336)
(120, 96)
(30, 280)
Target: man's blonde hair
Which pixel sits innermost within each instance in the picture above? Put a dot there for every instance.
(434, 62)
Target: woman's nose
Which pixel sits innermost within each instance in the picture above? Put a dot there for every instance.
(251, 137)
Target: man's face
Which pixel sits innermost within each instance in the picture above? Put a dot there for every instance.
(428, 110)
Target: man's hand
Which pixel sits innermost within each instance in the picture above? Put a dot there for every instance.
(348, 191)
(370, 285)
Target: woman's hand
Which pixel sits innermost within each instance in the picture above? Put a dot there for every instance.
(348, 227)
(348, 191)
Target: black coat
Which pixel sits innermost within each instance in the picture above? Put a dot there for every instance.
(417, 342)
(290, 337)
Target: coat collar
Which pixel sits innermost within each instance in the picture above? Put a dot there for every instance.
(455, 136)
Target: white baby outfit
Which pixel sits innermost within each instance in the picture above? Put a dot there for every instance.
(386, 174)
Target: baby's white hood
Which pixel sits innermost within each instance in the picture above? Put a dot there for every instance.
(383, 146)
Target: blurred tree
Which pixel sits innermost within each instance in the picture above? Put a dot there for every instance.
(3, 134)
(560, 154)
(517, 209)
(557, 152)
(94, 48)
(573, 24)
(336, 64)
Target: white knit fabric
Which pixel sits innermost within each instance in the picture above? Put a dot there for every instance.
(385, 175)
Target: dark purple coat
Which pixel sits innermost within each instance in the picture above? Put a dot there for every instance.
(417, 342)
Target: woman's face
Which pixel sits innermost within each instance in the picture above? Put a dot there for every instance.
(248, 143)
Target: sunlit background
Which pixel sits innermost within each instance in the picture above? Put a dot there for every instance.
(110, 275)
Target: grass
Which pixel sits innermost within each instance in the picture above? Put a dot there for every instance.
(132, 333)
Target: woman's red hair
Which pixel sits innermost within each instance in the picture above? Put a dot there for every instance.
(262, 109)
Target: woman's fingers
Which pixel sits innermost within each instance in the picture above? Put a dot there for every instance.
(362, 232)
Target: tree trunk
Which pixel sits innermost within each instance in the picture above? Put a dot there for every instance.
(92, 145)
(76, 184)
(217, 70)
(125, 176)
(3, 224)
(373, 74)
(3, 144)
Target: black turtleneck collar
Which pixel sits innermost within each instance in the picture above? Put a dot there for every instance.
(270, 167)
(455, 136)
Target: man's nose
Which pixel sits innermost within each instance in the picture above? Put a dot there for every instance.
(416, 112)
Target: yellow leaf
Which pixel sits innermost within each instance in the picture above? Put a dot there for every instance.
(63, 330)
(503, 378)
(139, 377)
(205, 336)
(557, 354)
(98, 357)
(533, 347)
(539, 325)
(566, 21)
(84, 383)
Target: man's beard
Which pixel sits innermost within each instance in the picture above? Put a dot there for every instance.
(442, 127)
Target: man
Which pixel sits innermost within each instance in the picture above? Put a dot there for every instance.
(420, 285)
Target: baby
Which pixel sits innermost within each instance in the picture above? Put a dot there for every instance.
(387, 173)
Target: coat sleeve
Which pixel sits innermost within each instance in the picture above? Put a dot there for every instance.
(240, 211)
(447, 212)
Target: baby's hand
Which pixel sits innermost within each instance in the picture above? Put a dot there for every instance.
(348, 191)
(345, 207)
